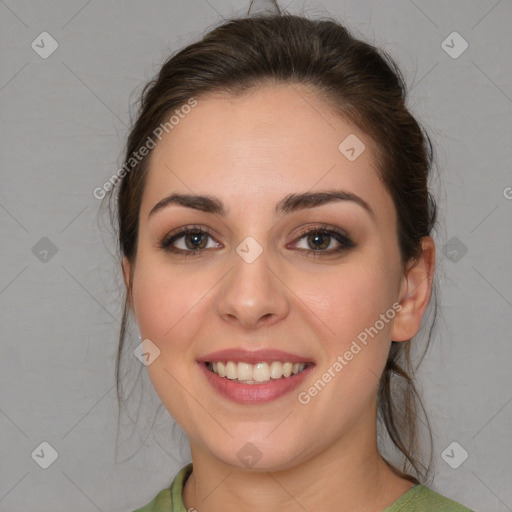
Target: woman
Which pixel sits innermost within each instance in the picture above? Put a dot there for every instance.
(275, 226)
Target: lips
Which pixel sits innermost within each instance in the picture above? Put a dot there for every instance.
(254, 356)
(245, 376)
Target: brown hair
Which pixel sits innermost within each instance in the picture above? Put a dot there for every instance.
(365, 86)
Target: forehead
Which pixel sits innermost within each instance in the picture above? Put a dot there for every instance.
(264, 144)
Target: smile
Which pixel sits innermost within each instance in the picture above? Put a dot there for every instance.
(240, 382)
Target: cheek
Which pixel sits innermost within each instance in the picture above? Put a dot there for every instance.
(356, 304)
(166, 302)
(352, 300)
(165, 305)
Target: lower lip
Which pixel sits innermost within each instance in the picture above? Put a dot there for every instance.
(254, 393)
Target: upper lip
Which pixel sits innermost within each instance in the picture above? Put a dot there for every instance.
(253, 356)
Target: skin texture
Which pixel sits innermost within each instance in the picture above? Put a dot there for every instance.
(250, 152)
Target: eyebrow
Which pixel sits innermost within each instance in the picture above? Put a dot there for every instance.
(291, 203)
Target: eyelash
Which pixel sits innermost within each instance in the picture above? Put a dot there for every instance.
(339, 235)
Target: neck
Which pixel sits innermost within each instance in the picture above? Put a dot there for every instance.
(348, 475)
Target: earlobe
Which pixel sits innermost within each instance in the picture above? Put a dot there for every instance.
(126, 267)
(415, 293)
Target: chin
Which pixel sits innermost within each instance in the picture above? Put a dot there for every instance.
(258, 455)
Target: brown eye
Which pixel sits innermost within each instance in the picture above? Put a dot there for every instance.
(187, 241)
(318, 241)
(195, 240)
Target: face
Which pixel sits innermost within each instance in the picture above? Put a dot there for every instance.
(267, 279)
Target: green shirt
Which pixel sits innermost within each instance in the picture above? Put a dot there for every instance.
(417, 499)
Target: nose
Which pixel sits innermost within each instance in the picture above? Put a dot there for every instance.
(252, 295)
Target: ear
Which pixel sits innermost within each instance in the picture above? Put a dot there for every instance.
(415, 292)
(127, 268)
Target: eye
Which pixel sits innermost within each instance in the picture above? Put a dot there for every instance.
(188, 240)
(320, 240)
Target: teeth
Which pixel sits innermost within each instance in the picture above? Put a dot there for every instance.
(276, 370)
(244, 371)
(260, 372)
(255, 373)
(231, 370)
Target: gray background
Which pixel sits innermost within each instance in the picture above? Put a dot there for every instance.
(63, 123)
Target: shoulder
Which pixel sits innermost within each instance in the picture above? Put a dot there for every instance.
(169, 499)
(422, 499)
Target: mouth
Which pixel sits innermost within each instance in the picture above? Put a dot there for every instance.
(254, 377)
(259, 373)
